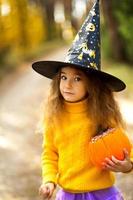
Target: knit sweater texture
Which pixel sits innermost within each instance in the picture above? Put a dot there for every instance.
(65, 159)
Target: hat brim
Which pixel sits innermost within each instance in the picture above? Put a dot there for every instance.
(50, 68)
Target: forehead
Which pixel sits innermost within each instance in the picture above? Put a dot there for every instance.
(72, 70)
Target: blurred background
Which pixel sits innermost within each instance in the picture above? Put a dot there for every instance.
(33, 30)
(29, 27)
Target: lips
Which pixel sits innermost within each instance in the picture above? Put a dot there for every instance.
(68, 93)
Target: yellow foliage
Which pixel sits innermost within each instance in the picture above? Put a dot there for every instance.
(21, 25)
(35, 27)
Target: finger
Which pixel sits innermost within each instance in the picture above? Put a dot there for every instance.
(104, 166)
(45, 192)
(111, 168)
(109, 161)
(49, 197)
(116, 161)
(126, 154)
(47, 189)
(51, 192)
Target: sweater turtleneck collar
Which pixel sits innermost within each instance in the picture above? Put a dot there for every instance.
(77, 107)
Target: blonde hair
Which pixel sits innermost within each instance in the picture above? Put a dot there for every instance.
(102, 106)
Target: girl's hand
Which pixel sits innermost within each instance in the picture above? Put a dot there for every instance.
(46, 190)
(116, 165)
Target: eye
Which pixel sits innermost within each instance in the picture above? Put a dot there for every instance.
(63, 77)
(77, 78)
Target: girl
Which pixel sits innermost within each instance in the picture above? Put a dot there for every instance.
(77, 105)
(80, 105)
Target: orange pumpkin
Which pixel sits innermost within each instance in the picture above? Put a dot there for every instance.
(109, 143)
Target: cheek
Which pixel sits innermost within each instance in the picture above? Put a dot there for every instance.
(81, 90)
(84, 91)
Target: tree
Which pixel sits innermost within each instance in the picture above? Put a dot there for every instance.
(119, 19)
(123, 12)
(118, 50)
(47, 7)
(22, 15)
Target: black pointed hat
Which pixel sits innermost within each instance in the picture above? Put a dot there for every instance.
(85, 53)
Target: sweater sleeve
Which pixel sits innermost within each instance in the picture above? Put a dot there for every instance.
(49, 157)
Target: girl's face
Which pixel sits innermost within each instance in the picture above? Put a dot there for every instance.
(73, 84)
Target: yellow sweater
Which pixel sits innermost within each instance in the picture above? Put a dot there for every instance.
(65, 158)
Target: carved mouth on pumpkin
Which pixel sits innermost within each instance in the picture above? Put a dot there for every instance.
(105, 133)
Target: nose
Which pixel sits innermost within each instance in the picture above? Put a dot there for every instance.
(68, 84)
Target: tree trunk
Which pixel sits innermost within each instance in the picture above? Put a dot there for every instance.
(47, 7)
(116, 42)
(68, 9)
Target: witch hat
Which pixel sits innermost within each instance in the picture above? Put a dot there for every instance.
(84, 53)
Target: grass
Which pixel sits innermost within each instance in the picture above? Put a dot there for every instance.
(122, 71)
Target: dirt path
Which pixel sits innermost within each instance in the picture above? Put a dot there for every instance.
(20, 146)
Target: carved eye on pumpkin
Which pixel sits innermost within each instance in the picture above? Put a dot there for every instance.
(90, 27)
(110, 143)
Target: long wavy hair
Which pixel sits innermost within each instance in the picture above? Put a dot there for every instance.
(102, 106)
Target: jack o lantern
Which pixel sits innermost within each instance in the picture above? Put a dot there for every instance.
(109, 143)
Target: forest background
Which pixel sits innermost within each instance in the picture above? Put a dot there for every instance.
(29, 28)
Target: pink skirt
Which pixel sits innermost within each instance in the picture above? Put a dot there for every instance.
(111, 193)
